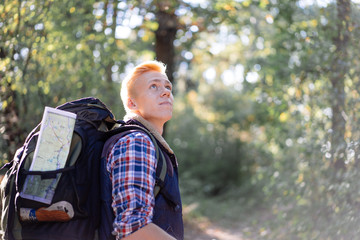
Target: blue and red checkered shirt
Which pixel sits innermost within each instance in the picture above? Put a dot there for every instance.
(132, 167)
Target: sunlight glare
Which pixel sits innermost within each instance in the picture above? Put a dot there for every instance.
(210, 75)
(201, 3)
(320, 3)
(216, 48)
(252, 77)
(122, 32)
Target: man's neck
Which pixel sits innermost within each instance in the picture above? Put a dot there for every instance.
(152, 124)
(159, 128)
(150, 127)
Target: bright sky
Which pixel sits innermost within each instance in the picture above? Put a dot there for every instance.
(302, 3)
(320, 3)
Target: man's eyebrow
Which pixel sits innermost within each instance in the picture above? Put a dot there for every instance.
(159, 80)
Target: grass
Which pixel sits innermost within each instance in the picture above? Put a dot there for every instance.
(234, 214)
(240, 217)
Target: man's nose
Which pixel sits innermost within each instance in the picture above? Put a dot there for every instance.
(166, 92)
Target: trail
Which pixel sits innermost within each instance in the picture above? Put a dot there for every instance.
(204, 230)
(251, 226)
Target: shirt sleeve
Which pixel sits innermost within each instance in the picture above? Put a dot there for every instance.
(132, 167)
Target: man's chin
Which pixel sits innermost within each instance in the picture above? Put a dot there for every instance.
(168, 118)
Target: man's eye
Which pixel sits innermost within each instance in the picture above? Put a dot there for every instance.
(153, 86)
(169, 88)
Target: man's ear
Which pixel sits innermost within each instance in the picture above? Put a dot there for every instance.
(131, 104)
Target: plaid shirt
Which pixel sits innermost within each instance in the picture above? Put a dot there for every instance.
(132, 167)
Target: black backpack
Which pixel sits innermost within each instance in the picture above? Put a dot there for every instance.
(79, 183)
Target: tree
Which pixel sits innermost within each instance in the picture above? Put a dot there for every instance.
(166, 34)
(21, 35)
(340, 69)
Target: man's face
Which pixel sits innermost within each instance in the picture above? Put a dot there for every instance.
(153, 97)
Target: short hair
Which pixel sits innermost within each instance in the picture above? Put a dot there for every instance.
(127, 86)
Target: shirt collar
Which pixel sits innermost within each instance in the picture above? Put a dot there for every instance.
(149, 126)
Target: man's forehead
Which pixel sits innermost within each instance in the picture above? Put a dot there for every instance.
(154, 76)
(159, 80)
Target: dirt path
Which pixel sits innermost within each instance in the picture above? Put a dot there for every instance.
(205, 230)
(251, 226)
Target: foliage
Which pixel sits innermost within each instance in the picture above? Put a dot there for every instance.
(254, 85)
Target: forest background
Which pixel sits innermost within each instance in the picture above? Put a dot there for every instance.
(266, 120)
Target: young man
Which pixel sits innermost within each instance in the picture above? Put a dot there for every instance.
(131, 163)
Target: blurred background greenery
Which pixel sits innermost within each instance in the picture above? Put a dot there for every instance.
(266, 120)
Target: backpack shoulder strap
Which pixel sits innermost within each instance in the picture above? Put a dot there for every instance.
(161, 167)
(161, 170)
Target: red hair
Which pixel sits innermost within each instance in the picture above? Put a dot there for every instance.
(127, 86)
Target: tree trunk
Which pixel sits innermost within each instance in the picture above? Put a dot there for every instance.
(165, 36)
(10, 123)
(164, 42)
(340, 69)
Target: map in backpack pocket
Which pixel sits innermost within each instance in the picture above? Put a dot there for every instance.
(51, 152)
